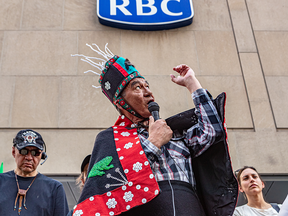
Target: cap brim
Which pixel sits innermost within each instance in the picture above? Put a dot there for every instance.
(22, 145)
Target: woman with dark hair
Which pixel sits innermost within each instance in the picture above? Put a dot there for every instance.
(251, 185)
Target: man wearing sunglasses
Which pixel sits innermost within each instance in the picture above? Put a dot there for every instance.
(25, 191)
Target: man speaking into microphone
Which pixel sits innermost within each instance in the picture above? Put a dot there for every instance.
(139, 166)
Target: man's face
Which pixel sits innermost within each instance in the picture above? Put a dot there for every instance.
(137, 94)
(26, 164)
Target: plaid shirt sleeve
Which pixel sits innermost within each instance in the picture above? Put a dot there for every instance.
(153, 153)
(202, 135)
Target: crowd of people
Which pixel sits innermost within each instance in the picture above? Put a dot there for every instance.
(142, 165)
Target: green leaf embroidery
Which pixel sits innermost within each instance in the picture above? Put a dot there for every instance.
(1, 168)
(100, 166)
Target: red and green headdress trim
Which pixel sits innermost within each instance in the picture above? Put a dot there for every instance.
(116, 75)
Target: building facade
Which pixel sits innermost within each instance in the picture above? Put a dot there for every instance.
(235, 46)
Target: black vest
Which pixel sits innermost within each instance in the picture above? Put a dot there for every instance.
(216, 185)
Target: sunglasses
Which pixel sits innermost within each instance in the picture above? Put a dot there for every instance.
(33, 152)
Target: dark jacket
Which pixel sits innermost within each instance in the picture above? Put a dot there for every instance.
(216, 184)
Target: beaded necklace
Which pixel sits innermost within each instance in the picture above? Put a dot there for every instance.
(21, 194)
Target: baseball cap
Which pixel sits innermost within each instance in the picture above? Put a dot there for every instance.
(85, 161)
(28, 137)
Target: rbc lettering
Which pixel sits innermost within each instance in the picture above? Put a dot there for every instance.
(139, 8)
(148, 15)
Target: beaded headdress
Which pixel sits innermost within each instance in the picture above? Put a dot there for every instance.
(116, 73)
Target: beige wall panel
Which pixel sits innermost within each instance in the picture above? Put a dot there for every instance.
(41, 14)
(282, 137)
(262, 116)
(232, 141)
(264, 150)
(217, 53)
(83, 106)
(6, 143)
(7, 85)
(253, 76)
(278, 92)
(210, 15)
(238, 113)
(86, 107)
(67, 147)
(39, 53)
(268, 14)
(158, 52)
(1, 43)
(35, 102)
(10, 14)
(100, 38)
(171, 97)
(174, 99)
(242, 26)
(273, 51)
(257, 92)
(81, 15)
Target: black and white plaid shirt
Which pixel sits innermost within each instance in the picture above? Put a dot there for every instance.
(173, 161)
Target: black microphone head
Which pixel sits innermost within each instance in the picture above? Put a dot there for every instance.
(153, 106)
(44, 155)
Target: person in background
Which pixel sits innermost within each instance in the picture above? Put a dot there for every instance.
(284, 208)
(25, 191)
(251, 185)
(84, 169)
(80, 181)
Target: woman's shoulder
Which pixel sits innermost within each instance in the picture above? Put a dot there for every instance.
(240, 210)
(242, 207)
(247, 210)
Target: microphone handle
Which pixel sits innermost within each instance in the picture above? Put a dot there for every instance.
(155, 115)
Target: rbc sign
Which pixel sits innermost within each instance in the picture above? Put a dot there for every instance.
(146, 15)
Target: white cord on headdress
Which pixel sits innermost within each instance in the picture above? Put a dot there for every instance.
(99, 63)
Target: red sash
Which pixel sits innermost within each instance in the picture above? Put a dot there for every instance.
(138, 184)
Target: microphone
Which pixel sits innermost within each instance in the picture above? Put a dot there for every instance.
(44, 156)
(153, 108)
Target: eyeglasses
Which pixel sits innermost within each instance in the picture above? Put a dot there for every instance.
(25, 151)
